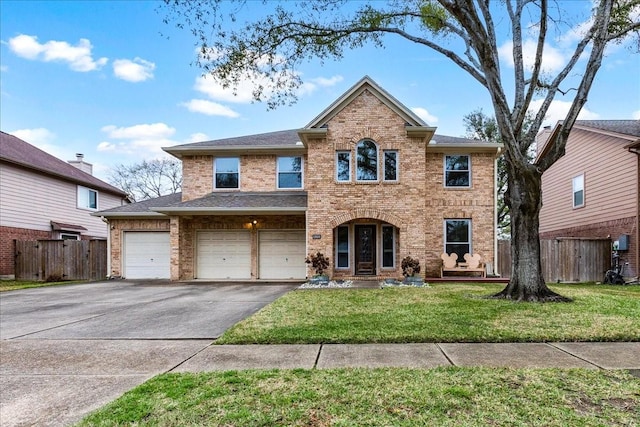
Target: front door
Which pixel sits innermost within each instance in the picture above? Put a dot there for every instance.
(365, 250)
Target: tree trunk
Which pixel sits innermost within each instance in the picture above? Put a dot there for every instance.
(524, 196)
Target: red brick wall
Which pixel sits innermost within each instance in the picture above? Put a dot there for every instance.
(8, 236)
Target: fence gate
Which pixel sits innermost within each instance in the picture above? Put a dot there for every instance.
(54, 260)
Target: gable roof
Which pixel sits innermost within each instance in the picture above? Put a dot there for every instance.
(366, 84)
(18, 152)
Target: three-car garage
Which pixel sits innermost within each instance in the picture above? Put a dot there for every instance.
(219, 254)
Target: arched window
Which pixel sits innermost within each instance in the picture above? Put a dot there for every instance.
(367, 161)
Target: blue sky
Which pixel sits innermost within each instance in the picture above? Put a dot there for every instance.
(110, 80)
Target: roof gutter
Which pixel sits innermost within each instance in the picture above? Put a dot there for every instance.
(229, 211)
(233, 149)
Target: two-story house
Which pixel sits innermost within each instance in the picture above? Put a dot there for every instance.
(366, 183)
(593, 191)
(43, 197)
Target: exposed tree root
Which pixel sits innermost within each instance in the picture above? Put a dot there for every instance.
(520, 295)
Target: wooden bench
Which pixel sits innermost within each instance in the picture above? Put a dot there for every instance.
(473, 264)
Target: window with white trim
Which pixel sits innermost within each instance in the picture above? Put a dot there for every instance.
(342, 246)
(366, 161)
(87, 198)
(226, 172)
(578, 191)
(457, 237)
(69, 236)
(289, 172)
(390, 165)
(388, 246)
(457, 171)
(343, 166)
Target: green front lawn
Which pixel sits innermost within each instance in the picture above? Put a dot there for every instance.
(380, 397)
(12, 285)
(442, 313)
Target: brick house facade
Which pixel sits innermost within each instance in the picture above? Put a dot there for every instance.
(366, 183)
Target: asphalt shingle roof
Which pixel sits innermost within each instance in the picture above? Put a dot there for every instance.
(626, 127)
(144, 205)
(249, 200)
(279, 138)
(16, 151)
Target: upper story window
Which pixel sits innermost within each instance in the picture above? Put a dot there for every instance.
(457, 237)
(343, 166)
(227, 172)
(457, 171)
(578, 191)
(367, 161)
(87, 198)
(290, 172)
(390, 165)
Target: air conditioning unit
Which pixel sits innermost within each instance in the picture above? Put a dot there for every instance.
(623, 242)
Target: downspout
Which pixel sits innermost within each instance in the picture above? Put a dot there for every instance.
(496, 261)
(635, 149)
(108, 246)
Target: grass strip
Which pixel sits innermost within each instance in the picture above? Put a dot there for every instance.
(450, 396)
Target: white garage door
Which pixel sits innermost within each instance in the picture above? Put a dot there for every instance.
(223, 255)
(282, 254)
(146, 255)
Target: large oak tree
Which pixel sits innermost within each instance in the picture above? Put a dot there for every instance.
(271, 47)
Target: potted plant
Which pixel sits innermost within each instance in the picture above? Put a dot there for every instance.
(410, 270)
(320, 263)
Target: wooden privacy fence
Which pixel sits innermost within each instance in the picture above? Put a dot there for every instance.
(565, 259)
(53, 260)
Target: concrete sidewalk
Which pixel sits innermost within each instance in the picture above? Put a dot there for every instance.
(326, 356)
(58, 382)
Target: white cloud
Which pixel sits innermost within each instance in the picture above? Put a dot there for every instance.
(243, 93)
(142, 141)
(209, 108)
(425, 115)
(635, 115)
(38, 137)
(198, 137)
(144, 131)
(44, 139)
(553, 59)
(136, 70)
(558, 111)
(78, 57)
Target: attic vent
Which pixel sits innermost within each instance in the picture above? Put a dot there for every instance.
(299, 143)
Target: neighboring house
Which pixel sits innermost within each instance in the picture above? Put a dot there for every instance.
(42, 197)
(366, 183)
(593, 191)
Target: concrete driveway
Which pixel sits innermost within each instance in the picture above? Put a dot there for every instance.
(67, 350)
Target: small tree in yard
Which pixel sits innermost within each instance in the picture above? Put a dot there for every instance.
(270, 48)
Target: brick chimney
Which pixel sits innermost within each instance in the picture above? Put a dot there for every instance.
(81, 164)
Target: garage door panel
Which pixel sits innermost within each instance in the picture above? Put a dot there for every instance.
(282, 254)
(223, 255)
(147, 255)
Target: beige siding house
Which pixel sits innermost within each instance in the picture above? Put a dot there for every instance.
(43, 197)
(366, 183)
(593, 190)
